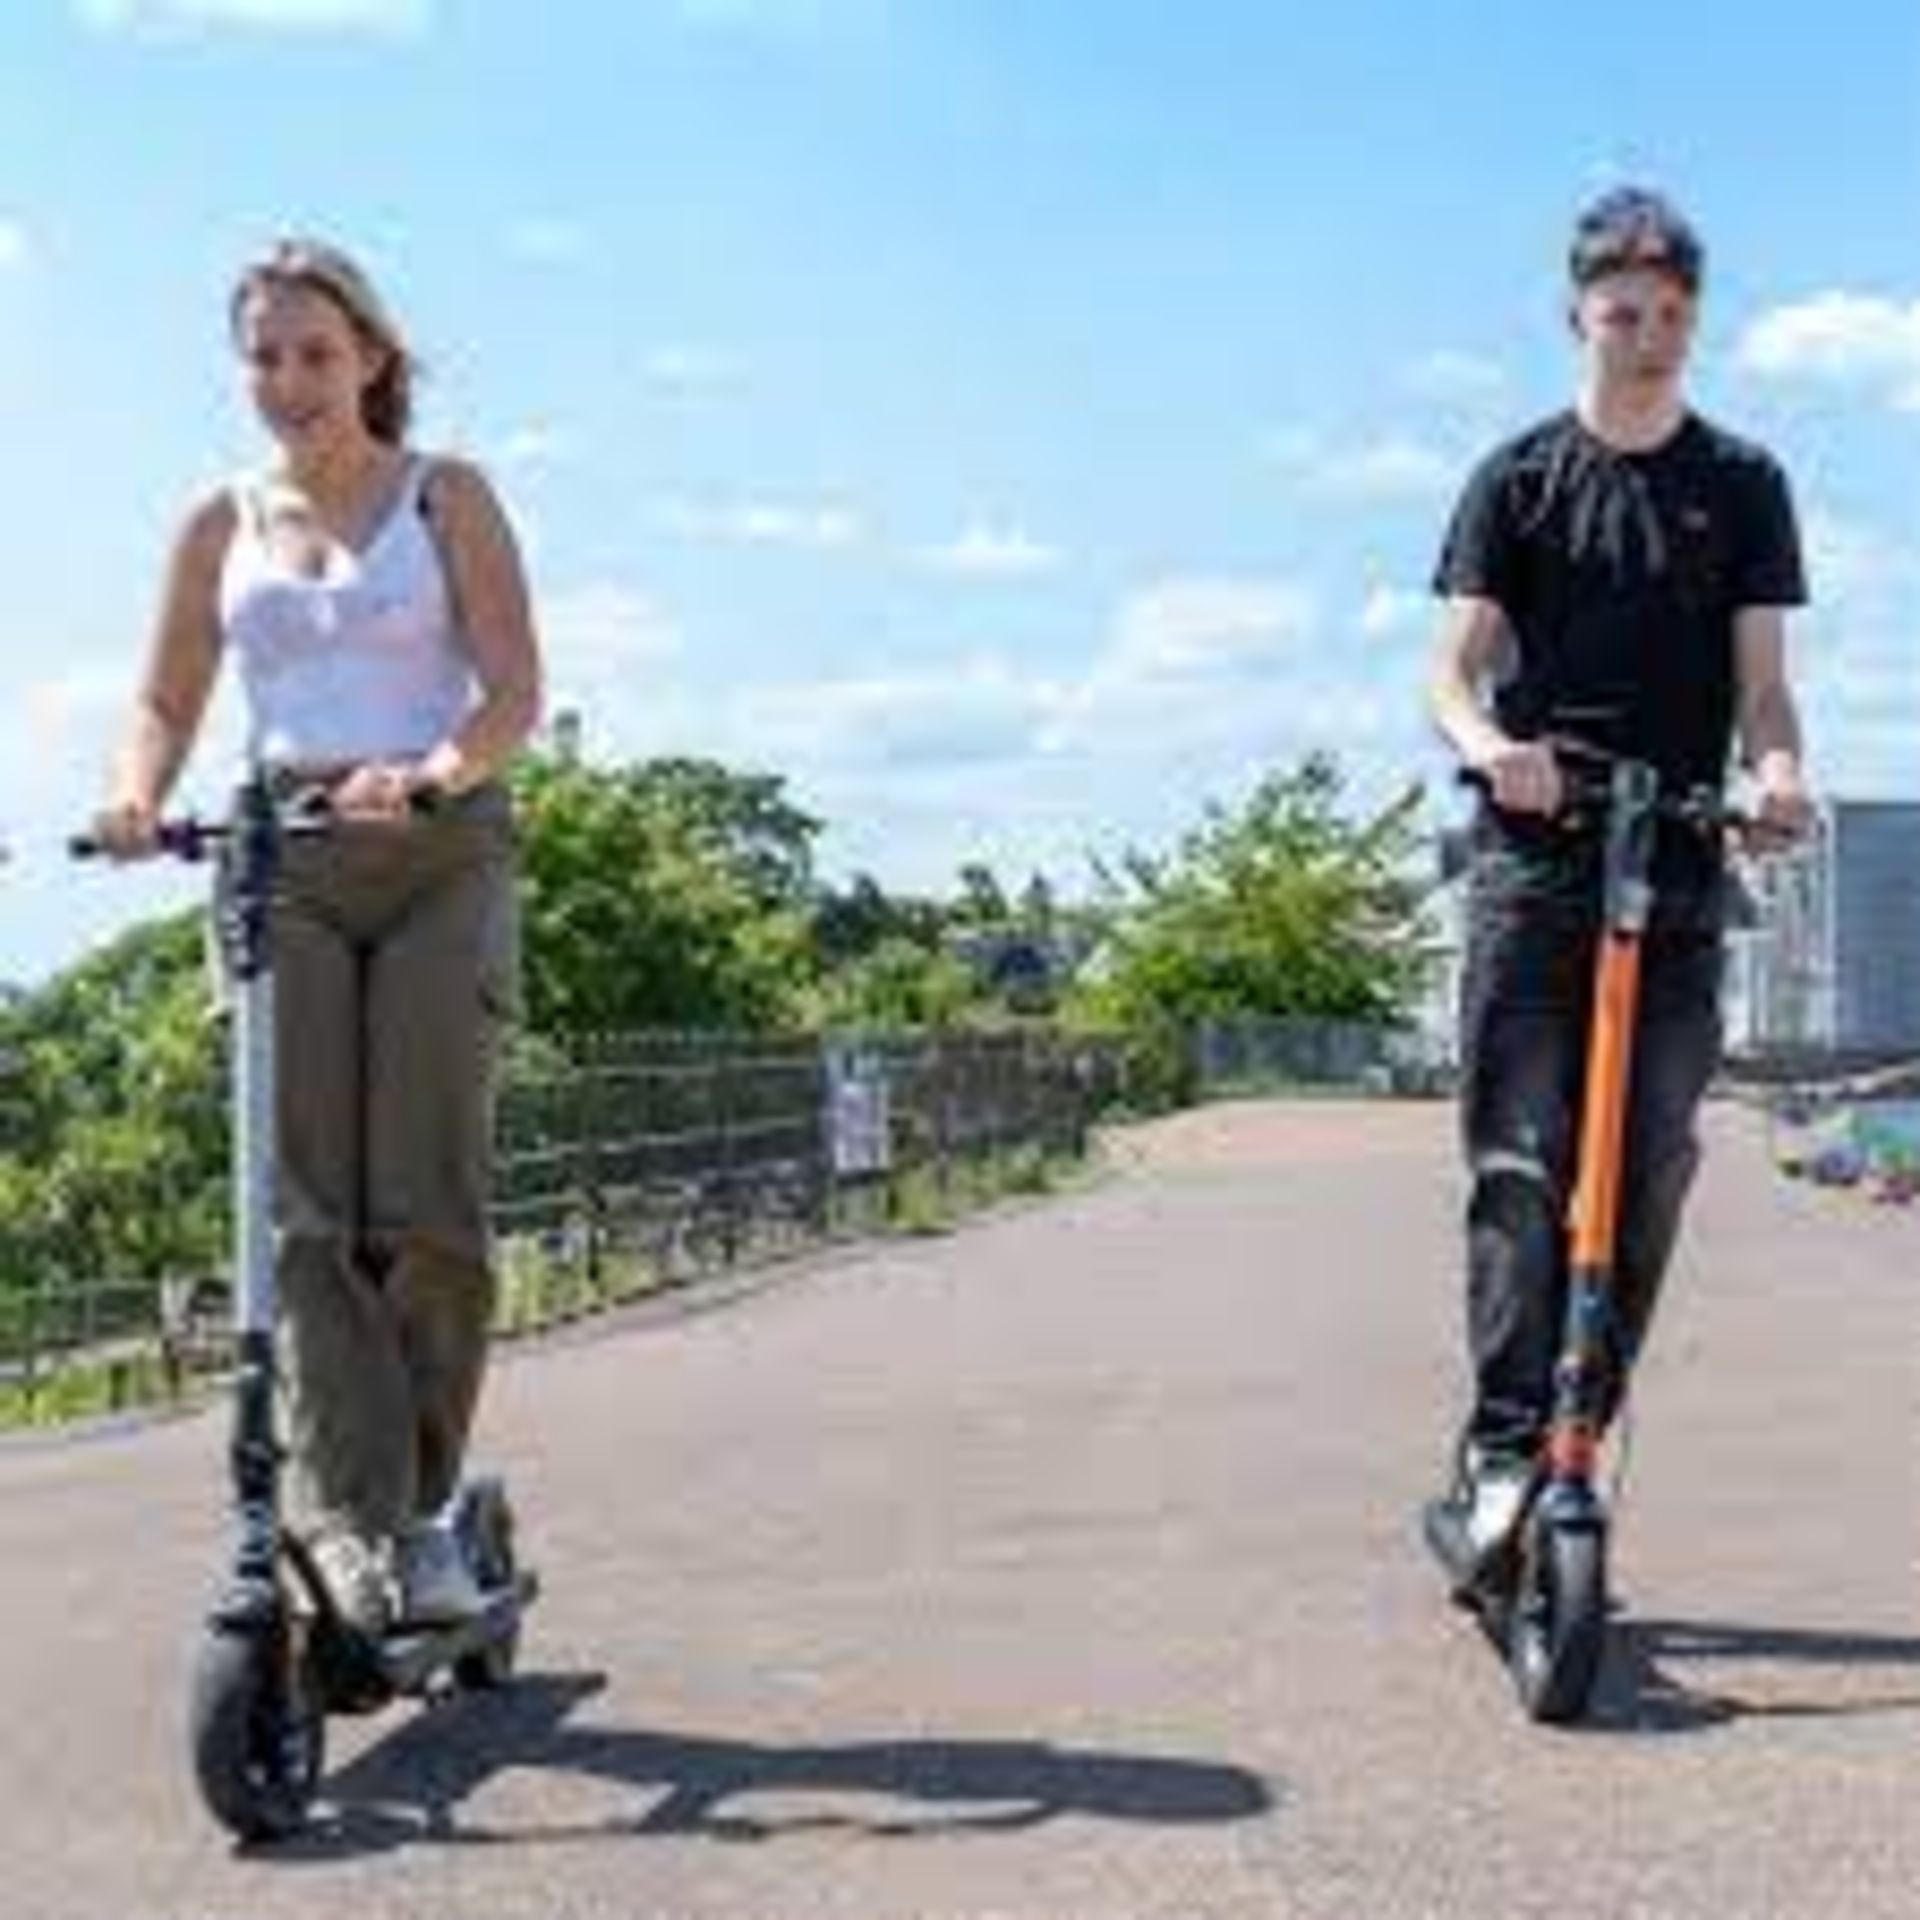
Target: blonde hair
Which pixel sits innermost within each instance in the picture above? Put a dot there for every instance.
(386, 406)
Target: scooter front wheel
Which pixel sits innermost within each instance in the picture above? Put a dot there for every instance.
(1557, 1624)
(258, 1733)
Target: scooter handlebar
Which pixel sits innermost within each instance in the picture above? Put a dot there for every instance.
(187, 838)
(1589, 788)
(302, 815)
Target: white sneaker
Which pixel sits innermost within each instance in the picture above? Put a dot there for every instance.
(1474, 1524)
(354, 1573)
(437, 1587)
(1500, 1493)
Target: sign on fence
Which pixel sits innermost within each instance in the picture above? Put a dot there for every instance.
(858, 1116)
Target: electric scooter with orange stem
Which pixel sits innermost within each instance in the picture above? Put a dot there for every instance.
(277, 1655)
(1545, 1600)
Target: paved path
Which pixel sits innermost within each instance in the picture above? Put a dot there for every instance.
(1063, 1568)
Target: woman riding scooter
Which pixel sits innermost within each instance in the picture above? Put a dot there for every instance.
(374, 603)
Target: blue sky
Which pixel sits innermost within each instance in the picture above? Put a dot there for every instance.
(1014, 423)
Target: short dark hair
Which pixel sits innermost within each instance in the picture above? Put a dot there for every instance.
(1630, 227)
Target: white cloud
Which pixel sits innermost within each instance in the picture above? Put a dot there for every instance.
(983, 551)
(395, 17)
(13, 244)
(815, 528)
(57, 735)
(1389, 468)
(966, 713)
(1188, 662)
(1201, 624)
(535, 445)
(1849, 563)
(70, 716)
(690, 369)
(604, 629)
(1291, 446)
(784, 16)
(613, 656)
(1448, 374)
(1851, 339)
(547, 240)
(1390, 611)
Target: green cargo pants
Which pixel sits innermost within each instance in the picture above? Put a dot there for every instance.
(394, 967)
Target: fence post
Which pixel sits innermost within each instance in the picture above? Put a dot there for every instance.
(724, 1084)
(172, 1308)
(30, 1375)
(822, 1201)
(943, 1117)
(587, 1095)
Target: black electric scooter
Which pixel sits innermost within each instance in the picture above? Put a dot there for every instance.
(277, 1656)
(1544, 1599)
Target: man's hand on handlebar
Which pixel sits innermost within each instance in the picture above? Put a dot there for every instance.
(1521, 776)
(1782, 808)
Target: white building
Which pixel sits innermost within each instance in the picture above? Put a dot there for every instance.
(1825, 954)
(1835, 958)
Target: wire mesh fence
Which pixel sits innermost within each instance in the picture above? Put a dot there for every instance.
(638, 1162)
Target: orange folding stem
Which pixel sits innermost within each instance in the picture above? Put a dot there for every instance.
(1596, 1198)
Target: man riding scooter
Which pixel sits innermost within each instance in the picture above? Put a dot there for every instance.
(1615, 577)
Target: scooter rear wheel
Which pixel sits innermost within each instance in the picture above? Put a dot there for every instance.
(1556, 1627)
(258, 1733)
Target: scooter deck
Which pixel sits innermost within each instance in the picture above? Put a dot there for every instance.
(409, 1657)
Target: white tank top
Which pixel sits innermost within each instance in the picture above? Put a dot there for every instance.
(360, 661)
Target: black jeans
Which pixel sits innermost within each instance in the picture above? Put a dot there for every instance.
(1526, 994)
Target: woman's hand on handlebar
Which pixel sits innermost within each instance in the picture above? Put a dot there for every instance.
(126, 828)
(379, 790)
(1521, 776)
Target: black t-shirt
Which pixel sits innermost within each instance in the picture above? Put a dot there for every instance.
(1620, 575)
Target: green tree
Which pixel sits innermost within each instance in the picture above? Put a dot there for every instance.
(852, 922)
(744, 818)
(112, 1114)
(1284, 906)
(666, 894)
(899, 983)
(982, 901)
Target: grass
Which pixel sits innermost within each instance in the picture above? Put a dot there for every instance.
(85, 1389)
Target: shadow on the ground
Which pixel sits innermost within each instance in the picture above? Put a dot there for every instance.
(1657, 1675)
(412, 1786)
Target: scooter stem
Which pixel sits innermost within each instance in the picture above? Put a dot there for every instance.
(1596, 1196)
(252, 859)
(1594, 1216)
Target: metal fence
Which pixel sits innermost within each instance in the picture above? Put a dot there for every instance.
(636, 1163)
(1350, 1056)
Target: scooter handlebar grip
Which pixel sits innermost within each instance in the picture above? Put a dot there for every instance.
(184, 839)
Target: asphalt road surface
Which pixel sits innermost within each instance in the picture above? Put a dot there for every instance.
(1064, 1568)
